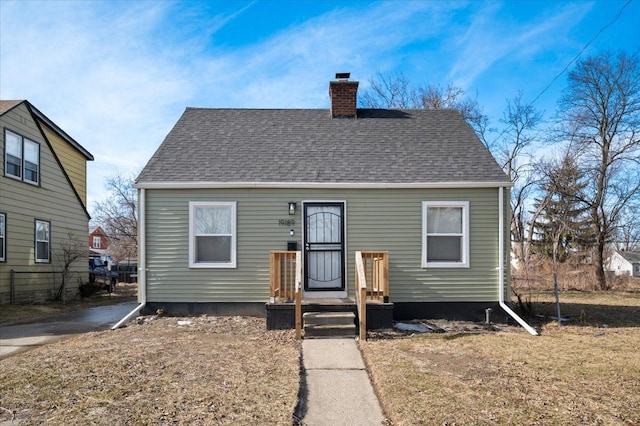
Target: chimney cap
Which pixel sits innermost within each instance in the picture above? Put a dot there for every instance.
(343, 75)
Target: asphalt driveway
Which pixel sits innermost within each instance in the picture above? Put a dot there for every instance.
(19, 338)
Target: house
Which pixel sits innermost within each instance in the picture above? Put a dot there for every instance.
(43, 205)
(412, 189)
(624, 263)
(98, 241)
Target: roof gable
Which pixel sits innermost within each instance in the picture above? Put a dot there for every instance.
(57, 141)
(7, 105)
(308, 146)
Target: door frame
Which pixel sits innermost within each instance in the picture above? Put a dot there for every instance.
(311, 294)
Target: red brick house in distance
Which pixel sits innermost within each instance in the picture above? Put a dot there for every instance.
(98, 240)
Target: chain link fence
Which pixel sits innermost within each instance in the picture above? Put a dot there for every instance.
(38, 287)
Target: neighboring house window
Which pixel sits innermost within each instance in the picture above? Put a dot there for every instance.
(96, 242)
(212, 234)
(445, 234)
(43, 241)
(3, 237)
(22, 158)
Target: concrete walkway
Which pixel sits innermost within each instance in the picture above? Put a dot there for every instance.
(338, 390)
(19, 338)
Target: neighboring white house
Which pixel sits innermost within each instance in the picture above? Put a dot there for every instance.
(625, 263)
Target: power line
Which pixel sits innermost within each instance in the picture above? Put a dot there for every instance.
(607, 25)
(581, 51)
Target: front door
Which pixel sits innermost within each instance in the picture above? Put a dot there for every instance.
(324, 247)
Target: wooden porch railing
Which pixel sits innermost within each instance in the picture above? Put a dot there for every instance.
(286, 281)
(376, 269)
(372, 283)
(282, 271)
(298, 296)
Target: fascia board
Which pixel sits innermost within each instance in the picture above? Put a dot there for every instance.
(319, 185)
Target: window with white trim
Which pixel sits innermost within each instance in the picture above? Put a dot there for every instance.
(96, 242)
(445, 234)
(21, 158)
(212, 234)
(42, 241)
(3, 237)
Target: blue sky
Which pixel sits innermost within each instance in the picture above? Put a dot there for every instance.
(116, 75)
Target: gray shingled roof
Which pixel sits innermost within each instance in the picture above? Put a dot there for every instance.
(631, 256)
(303, 145)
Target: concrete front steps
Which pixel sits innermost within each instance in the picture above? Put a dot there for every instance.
(329, 324)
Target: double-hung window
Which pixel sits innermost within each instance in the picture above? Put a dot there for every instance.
(42, 241)
(3, 237)
(22, 158)
(212, 234)
(96, 242)
(445, 234)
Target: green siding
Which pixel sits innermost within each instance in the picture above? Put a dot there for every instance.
(384, 219)
(54, 201)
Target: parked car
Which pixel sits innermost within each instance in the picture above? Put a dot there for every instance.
(99, 272)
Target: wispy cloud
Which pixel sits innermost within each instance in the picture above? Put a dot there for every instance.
(291, 69)
(116, 75)
(491, 38)
(106, 75)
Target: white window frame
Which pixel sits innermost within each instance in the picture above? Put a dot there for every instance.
(36, 241)
(22, 173)
(3, 237)
(464, 205)
(193, 205)
(97, 242)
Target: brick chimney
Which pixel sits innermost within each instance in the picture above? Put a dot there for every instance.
(343, 94)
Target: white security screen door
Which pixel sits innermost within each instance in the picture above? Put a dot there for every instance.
(324, 246)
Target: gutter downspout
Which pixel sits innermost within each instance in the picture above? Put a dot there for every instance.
(142, 261)
(501, 288)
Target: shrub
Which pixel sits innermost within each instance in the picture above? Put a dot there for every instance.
(89, 289)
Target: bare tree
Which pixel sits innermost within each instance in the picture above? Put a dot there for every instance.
(512, 151)
(600, 113)
(118, 216)
(628, 230)
(396, 92)
(72, 249)
(388, 91)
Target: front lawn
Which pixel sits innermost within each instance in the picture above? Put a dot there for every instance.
(587, 372)
(195, 371)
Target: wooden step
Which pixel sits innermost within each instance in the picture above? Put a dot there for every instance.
(334, 331)
(329, 324)
(324, 318)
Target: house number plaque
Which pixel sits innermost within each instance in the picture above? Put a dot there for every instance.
(287, 222)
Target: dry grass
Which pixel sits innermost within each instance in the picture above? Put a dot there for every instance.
(25, 313)
(539, 276)
(230, 370)
(211, 370)
(584, 373)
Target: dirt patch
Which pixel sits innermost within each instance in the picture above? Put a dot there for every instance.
(434, 326)
(196, 370)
